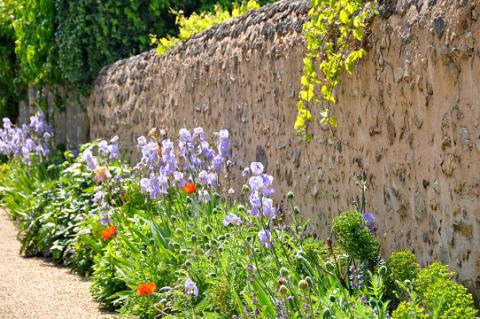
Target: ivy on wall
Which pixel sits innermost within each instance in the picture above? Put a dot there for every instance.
(334, 33)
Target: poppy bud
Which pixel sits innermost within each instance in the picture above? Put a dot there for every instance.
(283, 290)
(296, 210)
(303, 284)
(281, 281)
(178, 231)
(246, 189)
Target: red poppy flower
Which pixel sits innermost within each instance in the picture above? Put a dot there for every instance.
(146, 289)
(108, 233)
(190, 188)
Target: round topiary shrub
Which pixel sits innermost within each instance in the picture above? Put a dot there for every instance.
(355, 238)
(402, 265)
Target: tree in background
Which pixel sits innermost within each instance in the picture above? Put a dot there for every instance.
(66, 43)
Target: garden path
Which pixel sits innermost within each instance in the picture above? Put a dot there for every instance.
(34, 288)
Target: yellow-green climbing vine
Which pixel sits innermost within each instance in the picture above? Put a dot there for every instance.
(334, 33)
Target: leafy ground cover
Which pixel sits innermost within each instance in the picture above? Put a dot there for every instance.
(170, 238)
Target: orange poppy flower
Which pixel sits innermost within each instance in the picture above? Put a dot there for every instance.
(108, 233)
(190, 188)
(146, 289)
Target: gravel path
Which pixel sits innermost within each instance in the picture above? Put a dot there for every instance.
(33, 288)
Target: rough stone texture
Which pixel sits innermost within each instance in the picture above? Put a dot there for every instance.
(67, 114)
(409, 117)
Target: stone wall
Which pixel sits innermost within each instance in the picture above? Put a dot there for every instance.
(409, 117)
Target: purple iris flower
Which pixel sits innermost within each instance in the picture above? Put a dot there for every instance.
(370, 219)
(268, 209)
(89, 159)
(99, 198)
(191, 288)
(203, 195)
(256, 168)
(105, 218)
(255, 183)
(265, 238)
(217, 163)
(223, 143)
(255, 200)
(246, 171)
(232, 219)
(198, 132)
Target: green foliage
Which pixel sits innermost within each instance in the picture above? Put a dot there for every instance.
(9, 86)
(195, 23)
(334, 33)
(446, 299)
(353, 235)
(408, 310)
(59, 42)
(91, 34)
(442, 297)
(34, 24)
(402, 265)
(428, 276)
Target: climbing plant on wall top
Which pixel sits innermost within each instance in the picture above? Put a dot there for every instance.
(334, 34)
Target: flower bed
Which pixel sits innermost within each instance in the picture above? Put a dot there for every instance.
(170, 238)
